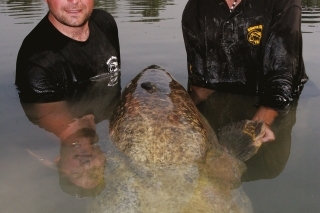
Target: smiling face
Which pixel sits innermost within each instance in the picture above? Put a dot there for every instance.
(69, 13)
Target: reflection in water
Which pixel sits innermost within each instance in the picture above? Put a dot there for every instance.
(81, 162)
(31, 11)
(24, 11)
(109, 5)
(223, 108)
(310, 3)
(283, 194)
(310, 15)
(148, 8)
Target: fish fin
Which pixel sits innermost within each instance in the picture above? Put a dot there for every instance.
(242, 139)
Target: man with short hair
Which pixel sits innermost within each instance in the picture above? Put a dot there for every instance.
(68, 69)
(72, 45)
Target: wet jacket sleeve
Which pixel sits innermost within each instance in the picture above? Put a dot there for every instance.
(282, 59)
(41, 85)
(194, 41)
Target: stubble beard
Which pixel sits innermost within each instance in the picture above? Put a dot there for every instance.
(72, 21)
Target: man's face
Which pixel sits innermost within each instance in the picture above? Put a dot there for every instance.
(72, 13)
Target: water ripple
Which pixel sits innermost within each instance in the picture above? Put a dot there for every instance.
(31, 11)
(310, 16)
(24, 12)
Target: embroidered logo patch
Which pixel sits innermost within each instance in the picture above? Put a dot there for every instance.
(112, 74)
(113, 68)
(255, 34)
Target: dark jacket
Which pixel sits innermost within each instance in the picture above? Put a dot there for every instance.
(255, 49)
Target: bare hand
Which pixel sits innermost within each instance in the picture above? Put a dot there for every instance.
(269, 135)
(267, 115)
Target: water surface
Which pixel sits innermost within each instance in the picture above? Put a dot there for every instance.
(150, 33)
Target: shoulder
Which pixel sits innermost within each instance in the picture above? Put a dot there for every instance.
(282, 6)
(190, 6)
(34, 40)
(105, 22)
(41, 34)
(193, 14)
(98, 13)
(103, 18)
(44, 37)
(196, 5)
(195, 10)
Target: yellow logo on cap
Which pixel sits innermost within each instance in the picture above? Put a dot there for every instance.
(255, 34)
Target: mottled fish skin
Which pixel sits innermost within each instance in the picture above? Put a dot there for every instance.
(156, 109)
(170, 158)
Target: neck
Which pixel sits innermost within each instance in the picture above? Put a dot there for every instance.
(79, 33)
(232, 3)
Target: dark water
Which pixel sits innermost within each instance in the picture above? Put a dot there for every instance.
(150, 33)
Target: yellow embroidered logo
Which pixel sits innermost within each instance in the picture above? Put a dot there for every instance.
(255, 34)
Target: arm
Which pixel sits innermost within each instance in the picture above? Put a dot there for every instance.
(42, 92)
(37, 84)
(282, 59)
(194, 38)
(282, 64)
(53, 117)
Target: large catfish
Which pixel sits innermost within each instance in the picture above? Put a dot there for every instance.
(173, 160)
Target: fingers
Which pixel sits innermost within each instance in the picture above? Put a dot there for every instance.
(269, 135)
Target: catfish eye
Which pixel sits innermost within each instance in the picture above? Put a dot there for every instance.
(149, 87)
